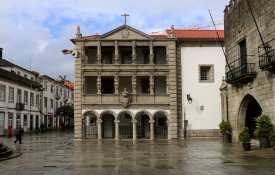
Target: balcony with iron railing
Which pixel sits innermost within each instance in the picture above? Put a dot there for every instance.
(239, 72)
(267, 56)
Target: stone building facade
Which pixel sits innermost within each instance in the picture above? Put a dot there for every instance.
(250, 68)
(125, 85)
(128, 84)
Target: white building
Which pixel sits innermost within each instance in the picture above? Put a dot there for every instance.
(19, 98)
(29, 98)
(202, 62)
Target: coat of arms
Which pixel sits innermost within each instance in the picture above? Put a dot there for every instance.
(125, 98)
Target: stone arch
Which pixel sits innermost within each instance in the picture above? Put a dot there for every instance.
(126, 112)
(108, 123)
(125, 125)
(161, 124)
(249, 110)
(143, 119)
(162, 112)
(108, 112)
(90, 118)
(144, 112)
(84, 113)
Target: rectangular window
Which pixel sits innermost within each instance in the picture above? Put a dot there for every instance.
(2, 92)
(19, 96)
(45, 86)
(32, 99)
(37, 100)
(11, 94)
(107, 85)
(206, 73)
(51, 88)
(45, 102)
(51, 103)
(56, 105)
(26, 97)
(60, 104)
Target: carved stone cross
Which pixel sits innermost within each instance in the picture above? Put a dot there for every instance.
(125, 16)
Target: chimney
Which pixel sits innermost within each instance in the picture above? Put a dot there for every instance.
(1, 53)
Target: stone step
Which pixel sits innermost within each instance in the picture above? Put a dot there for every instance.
(3, 148)
(6, 153)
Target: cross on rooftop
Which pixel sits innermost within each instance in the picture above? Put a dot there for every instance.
(125, 16)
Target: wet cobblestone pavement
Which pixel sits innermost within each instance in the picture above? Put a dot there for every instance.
(59, 154)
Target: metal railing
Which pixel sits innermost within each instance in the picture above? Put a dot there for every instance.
(239, 71)
(267, 56)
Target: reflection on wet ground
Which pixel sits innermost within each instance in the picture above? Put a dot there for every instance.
(57, 153)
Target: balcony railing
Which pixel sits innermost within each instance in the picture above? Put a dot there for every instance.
(267, 56)
(240, 73)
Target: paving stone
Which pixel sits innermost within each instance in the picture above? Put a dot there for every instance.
(59, 154)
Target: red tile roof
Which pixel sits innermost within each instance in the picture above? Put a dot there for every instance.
(198, 34)
(69, 84)
(183, 34)
(94, 36)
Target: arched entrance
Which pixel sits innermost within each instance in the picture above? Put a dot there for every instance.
(143, 126)
(250, 110)
(90, 126)
(161, 126)
(108, 130)
(125, 126)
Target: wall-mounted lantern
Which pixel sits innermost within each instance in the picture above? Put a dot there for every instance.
(189, 98)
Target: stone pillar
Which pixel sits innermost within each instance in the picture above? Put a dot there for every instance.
(152, 128)
(152, 84)
(116, 83)
(223, 92)
(99, 53)
(134, 129)
(99, 129)
(151, 56)
(167, 85)
(116, 53)
(167, 54)
(117, 129)
(98, 84)
(134, 84)
(134, 55)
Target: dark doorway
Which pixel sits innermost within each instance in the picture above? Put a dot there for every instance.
(252, 112)
(108, 126)
(125, 126)
(161, 128)
(143, 126)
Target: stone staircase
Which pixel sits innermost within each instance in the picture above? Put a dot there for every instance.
(7, 153)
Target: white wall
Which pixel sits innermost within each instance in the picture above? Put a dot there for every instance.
(203, 94)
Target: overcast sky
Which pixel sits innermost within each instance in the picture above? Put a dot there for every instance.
(33, 32)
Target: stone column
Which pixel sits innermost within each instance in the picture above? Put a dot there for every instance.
(116, 83)
(152, 84)
(134, 55)
(117, 129)
(151, 56)
(152, 128)
(167, 85)
(116, 53)
(134, 84)
(223, 93)
(134, 129)
(99, 53)
(167, 54)
(99, 129)
(98, 84)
